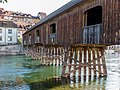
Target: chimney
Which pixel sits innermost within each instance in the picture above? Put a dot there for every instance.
(41, 15)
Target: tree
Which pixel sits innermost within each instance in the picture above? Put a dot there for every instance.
(2, 1)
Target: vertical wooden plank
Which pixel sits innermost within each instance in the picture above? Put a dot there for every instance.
(103, 62)
(113, 22)
(41, 54)
(89, 61)
(63, 52)
(59, 56)
(43, 59)
(52, 53)
(116, 21)
(70, 59)
(71, 28)
(68, 28)
(64, 63)
(98, 60)
(55, 56)
(80, 61)
(119, 20)
(48, 56)
(85, 57)
(94, 63)
(75, 61)
(61, 31)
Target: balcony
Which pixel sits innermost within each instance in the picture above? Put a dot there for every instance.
(37, 39)
(91, 34)
(24, 42)
(29, 42)
(52, 37)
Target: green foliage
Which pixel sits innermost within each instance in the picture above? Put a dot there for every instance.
(19, 40)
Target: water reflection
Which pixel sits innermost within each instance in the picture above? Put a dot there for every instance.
(70, 84)
(21, 73)
(113, 67)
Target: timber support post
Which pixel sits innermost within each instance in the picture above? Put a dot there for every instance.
(84, 60)
(77, 60)
(65, 62)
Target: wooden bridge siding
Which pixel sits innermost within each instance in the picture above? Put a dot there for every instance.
(27, 38)
(42, 34)
(32, 38)
(119, 17)
(48, 33)
(111, 19)
(68, 28)
(69, 32)
(59, 31)
(38, 28)
(70, 23)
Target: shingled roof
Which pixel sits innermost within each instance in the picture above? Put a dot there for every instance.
(9, 24)
(58, 12)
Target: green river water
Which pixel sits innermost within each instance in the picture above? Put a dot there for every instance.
(22, 73)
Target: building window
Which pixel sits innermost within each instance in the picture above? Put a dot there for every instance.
(30, 38)
(53, 28)
(0, 30)
(93, 16)
(24, 40)
(53, 33)
(0, 38)
(9, 31)
(37, 36)
(9, 38)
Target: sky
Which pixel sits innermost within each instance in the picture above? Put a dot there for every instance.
(33, 6)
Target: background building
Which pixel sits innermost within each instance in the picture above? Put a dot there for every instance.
(8, 33)
(12, 26)
(23, 20)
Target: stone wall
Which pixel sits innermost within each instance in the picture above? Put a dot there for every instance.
(11, 50)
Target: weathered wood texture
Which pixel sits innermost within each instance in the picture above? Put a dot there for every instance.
(111, 21)
(71, 29)
(70, 24)
(84, 61)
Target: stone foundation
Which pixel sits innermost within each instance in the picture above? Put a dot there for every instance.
(11, 50)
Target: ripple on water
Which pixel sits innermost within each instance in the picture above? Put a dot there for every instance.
(12, 72)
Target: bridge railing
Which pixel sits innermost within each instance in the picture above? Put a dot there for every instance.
(91, 34)
(37, 39)
(52, 37)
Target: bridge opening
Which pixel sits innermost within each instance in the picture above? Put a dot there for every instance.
(30, 38)
(24, 41)
(93, 16)
(37, 36)
(53, 28)
(92, 25)
(53, 32)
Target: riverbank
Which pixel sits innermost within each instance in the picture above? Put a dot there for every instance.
(11, 50)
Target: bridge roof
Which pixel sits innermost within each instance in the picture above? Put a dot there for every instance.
(58, 12)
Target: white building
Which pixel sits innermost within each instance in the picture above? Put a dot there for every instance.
(8, 33)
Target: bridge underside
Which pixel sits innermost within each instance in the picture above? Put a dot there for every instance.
(77, 60)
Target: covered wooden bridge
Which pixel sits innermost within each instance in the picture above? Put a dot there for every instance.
(76, 36)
